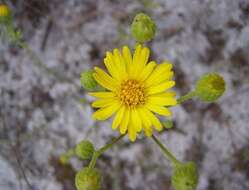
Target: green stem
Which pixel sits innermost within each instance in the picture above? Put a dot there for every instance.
(167, 153)
(187, 96)
(97, 153)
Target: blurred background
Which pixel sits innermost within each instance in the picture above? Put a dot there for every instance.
(44, 111)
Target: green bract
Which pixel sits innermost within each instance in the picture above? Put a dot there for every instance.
(168, 124)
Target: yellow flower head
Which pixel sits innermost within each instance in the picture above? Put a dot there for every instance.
(136, 91)
(4, 10)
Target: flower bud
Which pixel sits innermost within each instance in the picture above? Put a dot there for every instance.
(84, 150)
(4, 11)
(87, 80)
(143, 28)
(210, 87)
(64, 158)
(185, 176)
(88, 179)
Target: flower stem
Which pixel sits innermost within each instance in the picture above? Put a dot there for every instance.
(187, 96)
(97, 153)
(166, 152)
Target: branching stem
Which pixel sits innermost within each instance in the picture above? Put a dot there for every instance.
(97, 153)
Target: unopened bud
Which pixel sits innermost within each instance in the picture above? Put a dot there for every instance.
(143, 28)
(88, 179)
(87, 80)
(185, 176)
(210, 87)
(64, 158)
(84, 150)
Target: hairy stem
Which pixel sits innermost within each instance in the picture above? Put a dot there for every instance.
(166, 152)
(186, 97)
(97, 153)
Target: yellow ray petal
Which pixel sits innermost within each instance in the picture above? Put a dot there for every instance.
(136, 120)
(105, 113)
(118, 118)
(161, 101)
(159, 110)
(164, 77)
(104, 79)
(132, 133)
(169, 94)
(110, 65)
(102, 94)
(125, 121)
(119, 61)
(135, 62)
(141, 62)
(104, 102)
(161, 69)
(148, 131)
(146, 122)
(160, 87)
(127, 55)
(137, 53)
(145, 54)
(147, 71)
(155, 121)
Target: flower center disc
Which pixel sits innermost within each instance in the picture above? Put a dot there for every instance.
(132, 93)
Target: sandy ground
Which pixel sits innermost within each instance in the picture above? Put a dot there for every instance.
(44, 111)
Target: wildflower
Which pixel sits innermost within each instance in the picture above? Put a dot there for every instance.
(143, 28)
(4, 11)
(88, 179)
(210, 87)
(136, 90)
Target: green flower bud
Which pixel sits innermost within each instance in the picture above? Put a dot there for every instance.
(88, 179)
(84, 150)
(143, 28)
(210, 87)
(185, 176)
(87, 80)
(64, 158)
(168, 124)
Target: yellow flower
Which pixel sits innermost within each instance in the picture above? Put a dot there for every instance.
(4, 10)
(136, 90)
